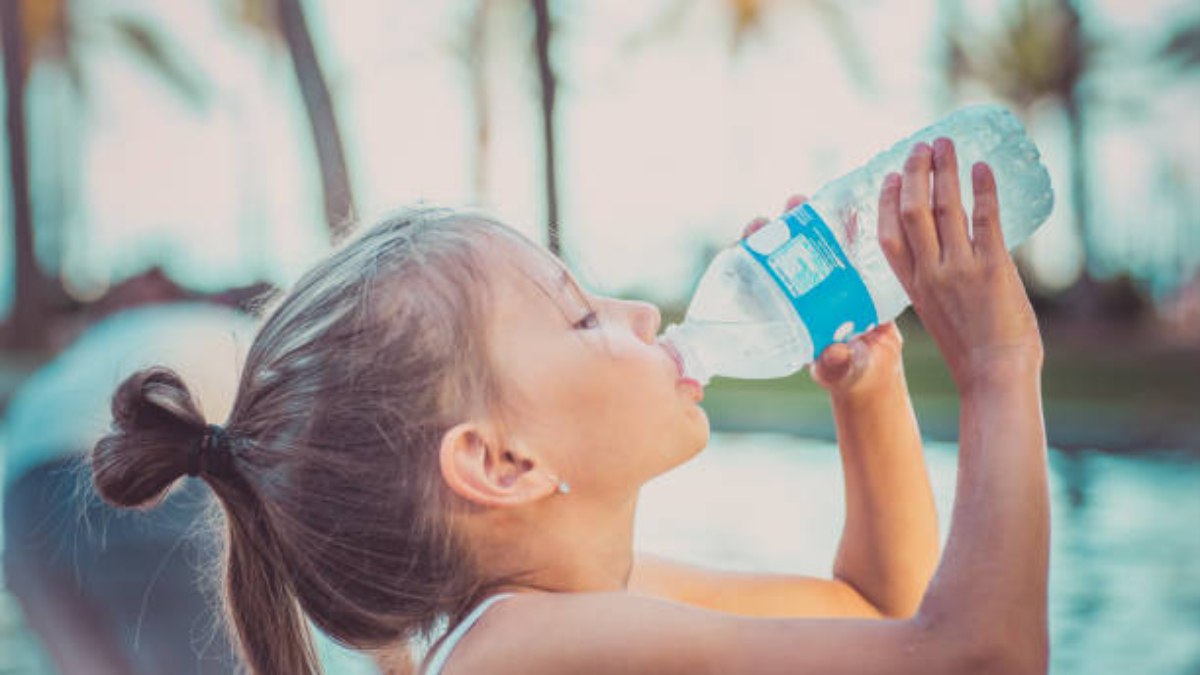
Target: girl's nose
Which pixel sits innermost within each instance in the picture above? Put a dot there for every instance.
(645, 319)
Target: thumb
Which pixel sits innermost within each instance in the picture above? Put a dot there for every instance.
(834, 364)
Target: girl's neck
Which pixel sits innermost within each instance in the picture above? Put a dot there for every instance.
(567, 548)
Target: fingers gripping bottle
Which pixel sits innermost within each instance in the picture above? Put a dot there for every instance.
(816, 275)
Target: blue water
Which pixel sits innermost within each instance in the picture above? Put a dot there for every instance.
(1125, 577)
(1125, 559)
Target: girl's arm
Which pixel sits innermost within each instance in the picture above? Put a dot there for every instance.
(889, 544)
(985, 609)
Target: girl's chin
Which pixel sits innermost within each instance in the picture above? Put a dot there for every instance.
(691, 438)
(701, 433)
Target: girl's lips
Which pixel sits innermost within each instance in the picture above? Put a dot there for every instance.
(695, 388)
(675, 357)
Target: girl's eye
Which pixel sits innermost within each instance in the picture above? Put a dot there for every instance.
(588, 322)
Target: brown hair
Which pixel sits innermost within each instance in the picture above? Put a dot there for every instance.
(330, 485)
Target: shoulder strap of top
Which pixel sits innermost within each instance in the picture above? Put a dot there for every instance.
(439, 657)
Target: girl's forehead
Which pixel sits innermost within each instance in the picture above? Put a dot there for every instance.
(530, 266)
(530, 282)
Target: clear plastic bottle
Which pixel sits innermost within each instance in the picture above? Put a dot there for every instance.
(816, 275)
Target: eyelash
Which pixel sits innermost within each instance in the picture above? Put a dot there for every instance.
(591, 320)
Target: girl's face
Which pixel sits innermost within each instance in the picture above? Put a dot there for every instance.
(586, 387)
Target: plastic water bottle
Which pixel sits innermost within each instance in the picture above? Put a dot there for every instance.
(816, 275)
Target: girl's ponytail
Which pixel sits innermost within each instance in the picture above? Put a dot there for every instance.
(155, 425)
(334, 505)
(259, 598)
(159, 436)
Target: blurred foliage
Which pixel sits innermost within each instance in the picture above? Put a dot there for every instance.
(257, 15)
(52, 34)
(1037, 50)
(45, 32)
(745, 18)
(1182, 48)
(1034, 51)
(153, 51)
(1140, 396)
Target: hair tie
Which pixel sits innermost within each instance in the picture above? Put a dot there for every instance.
(211, 452)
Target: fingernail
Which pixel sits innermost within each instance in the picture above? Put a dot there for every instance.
(979, 171)
(892, 180)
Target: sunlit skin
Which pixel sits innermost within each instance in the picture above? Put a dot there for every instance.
(589, 397)
(889, 543)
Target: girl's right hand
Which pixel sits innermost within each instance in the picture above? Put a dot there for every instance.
(964, 286)
(867, 364)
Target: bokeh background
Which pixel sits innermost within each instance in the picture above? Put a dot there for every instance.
(225, 144)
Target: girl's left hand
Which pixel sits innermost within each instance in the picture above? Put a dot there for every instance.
(863, 365)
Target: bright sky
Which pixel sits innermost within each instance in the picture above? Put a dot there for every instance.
(667, 148)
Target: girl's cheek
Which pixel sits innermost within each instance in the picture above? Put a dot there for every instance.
(626, 348)
(641, 355)
(623, 347)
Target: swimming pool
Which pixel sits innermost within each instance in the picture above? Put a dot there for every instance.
(1125, 564)
(1125, 558)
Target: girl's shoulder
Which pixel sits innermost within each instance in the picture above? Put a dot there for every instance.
(621, 632)
(537, 632)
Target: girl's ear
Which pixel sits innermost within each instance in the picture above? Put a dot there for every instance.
(478, 468)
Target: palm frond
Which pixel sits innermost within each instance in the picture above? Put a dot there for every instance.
(167, 63)
(1182, 48)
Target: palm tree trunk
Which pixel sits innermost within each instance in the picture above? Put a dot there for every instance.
(1080, 202)
(331, 154)
(476, 62)
(1086, 294)
(542, 34)
(29, 317)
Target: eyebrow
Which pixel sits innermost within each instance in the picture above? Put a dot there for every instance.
(567, 281)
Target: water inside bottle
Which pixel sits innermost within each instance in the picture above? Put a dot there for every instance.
(750, 349)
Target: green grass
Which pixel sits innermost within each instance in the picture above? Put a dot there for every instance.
(1106, 389)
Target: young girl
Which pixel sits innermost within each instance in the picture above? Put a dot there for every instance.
(438, 423)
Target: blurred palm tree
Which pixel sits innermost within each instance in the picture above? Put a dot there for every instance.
(26, 321)
(745, 18)
(42, 31)
(543, 32)
(1180, 52)
(1181, 49)
(472, 51)
(286, 21)
(1042, 53)
(1038, 53)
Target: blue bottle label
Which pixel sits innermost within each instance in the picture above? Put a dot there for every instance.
(813, 272)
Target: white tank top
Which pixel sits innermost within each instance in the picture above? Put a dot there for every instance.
(438, 659)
